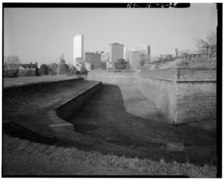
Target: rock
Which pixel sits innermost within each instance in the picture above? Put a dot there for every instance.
(173, 146)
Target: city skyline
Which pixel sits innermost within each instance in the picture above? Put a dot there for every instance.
(42, 35)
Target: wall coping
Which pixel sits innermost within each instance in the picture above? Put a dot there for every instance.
(131, 72)
(182, 81)
(39, 82)
(53, 115)
(176, 73)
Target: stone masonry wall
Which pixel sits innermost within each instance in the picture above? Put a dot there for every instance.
(167, 74)
(183, 95)
(163, 94)
(196, 74)
(196, 101)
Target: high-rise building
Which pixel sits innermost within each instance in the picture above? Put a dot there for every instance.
(125, 52)
(78, 51)
(135, 59)
(116, 52)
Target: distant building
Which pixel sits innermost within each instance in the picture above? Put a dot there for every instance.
(145, 51)
(78, 50)
(28, 69)
(116, 52)
(103, 65)
(23, 69)
(166, 56)
(109, 65)
(94, 59)
(135, 59)
(176, 52)
(202, 52)
(104, 57)
(125, 53)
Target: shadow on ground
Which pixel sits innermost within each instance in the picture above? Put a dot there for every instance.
(116, 120)
(124, 126)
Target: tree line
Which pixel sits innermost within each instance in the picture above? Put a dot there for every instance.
(13, 63)
(60, 68)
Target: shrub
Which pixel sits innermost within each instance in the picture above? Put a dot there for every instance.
(11, 73)
(120, 64)
(63, 68)
(83, 70)
(198, 62)
(53, 69)
(43, 69)
(27, 72)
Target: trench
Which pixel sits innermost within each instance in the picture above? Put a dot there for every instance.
(126, 123)
(117, 119)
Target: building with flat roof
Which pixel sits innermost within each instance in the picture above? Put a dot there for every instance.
(116, 52)
(78, 51)
(104, 57)
(145, 51)
(94, 59)
(135, 59)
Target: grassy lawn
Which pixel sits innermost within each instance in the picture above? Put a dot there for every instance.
(35, 79)
(22, 157)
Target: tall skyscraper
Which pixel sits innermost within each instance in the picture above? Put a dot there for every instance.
(78, 50)
(116, 52)
(125, 52)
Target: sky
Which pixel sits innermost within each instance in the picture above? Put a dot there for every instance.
(42, 35)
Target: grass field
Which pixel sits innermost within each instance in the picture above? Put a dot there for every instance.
(22, 157)
(115, 115)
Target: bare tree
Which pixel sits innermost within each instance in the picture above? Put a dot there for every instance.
(43, 69)
(63, 67)
(53, 69)
(120, 64)
(209, 44)
(62, 59)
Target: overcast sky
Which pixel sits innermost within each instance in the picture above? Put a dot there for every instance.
(43, 34)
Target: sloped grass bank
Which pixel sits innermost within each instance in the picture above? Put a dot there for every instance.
(22, 157)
